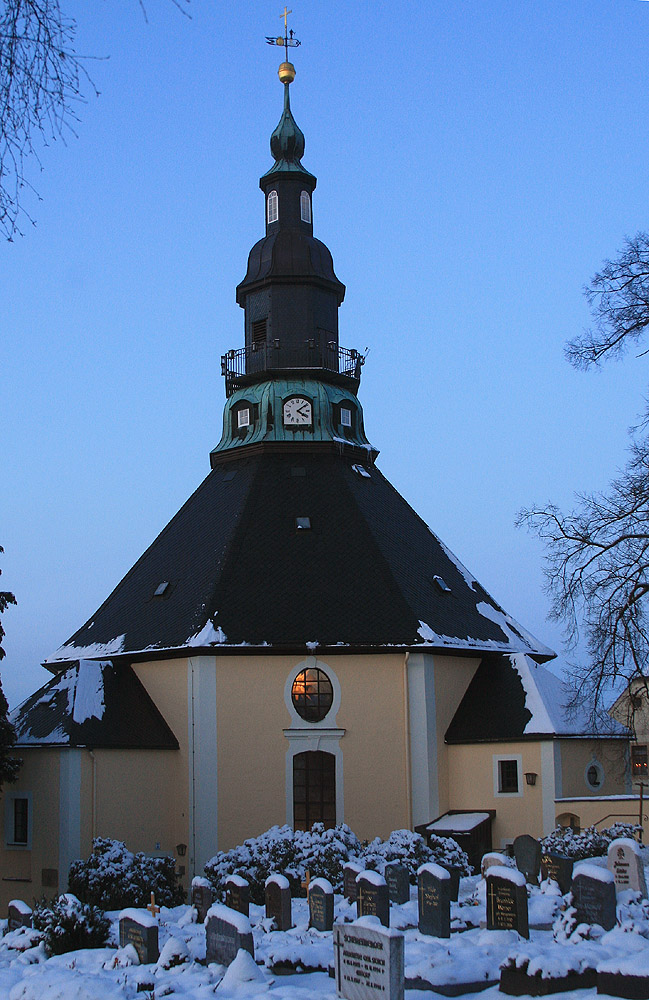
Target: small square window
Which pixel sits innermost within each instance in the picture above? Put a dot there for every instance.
(639, 761)
(345, 416)
(302, 523)
(160, 589)
(360, 470)
(243, 418)
(441, 584)
(507, 776)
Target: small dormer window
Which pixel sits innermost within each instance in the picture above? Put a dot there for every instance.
(272, 209)
(243, 418)
(305, 207)
(345, 416)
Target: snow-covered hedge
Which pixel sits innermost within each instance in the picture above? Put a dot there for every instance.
(69, 924)
(113, 877)
(588, 843)
(411, 851)
(323, 852)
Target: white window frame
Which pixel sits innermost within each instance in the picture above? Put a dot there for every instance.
(272, 207)
(305, 206)
(243, 417)
(345, 411)
(10, 843)
(496, 772)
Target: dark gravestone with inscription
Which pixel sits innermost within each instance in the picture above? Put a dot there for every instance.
(556, 867)
(278, 902)
(507, 901)
(201, 897)
(527, 852)
(226, 931)
(350, 872)
(456, 875)
(321, 904)
(372, 898)
(237, 894)
(139, 928)
(434, 898)
(368, 961)
(397, 878)
(19, 914)
(593, 895)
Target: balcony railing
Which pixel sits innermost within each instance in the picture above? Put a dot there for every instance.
(238, 366)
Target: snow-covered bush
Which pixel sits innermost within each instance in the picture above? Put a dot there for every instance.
(68, 924)
(411, 851)
(113, 877)
(588, 843)
(322, 852)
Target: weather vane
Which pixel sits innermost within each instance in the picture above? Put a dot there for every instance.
(288, 41)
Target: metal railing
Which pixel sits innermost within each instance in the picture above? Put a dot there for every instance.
(236, 366)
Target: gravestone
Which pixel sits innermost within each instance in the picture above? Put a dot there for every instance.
(372, 899)
(278, 902)
(368, 961)
(493, 858)
(593, 895)
(201, 897)
(321, 904)
(456, 875)
(19, 914)
(237, 894)
(556, 867)
(507, 901)
(397, 878)
(434, 898)
(226, 931)
(625, 861)
(350, 871)
(527, 852)
(139, 928)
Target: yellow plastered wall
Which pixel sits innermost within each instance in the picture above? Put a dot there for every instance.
(453, 674)
(472, 786)
(20, 868)
(589, 811)
(576, 755)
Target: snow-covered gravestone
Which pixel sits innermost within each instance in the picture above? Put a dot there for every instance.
(372, 899)
(19, 914)
(593, 895)
(139, 928)
(201, 897)
(491, 860)
(625, 861)
(527, 852)
(434, 896)
(507, 901)
(350, 872)
(558, 868)
(321, 904)
(397, 878)
(278, 901)
(237, 894)
(226, 931)
(368, 960)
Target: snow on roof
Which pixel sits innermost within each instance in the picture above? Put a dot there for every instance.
(458, 822)
(208, 635)
(71, 652)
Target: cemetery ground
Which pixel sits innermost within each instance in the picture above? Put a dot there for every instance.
(566, 952)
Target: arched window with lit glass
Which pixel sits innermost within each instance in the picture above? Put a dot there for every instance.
(305, 207)
(272, 207)
(312, 694)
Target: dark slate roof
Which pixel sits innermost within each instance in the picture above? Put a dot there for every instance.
(513, 698)
(94, 704)
(290, 253)
(240, 573)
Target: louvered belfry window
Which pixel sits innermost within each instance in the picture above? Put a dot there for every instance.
(259, 332)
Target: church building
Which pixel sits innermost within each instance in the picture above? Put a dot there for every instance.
(296, 645)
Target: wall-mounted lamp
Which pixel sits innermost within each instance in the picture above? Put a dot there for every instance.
(181, 850)
(530, 777)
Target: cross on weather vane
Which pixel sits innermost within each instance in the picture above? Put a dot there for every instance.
(288, 41)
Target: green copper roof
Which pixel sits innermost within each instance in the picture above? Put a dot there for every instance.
(266, 402)
(287, 142)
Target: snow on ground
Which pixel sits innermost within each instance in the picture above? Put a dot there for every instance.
(293, 965)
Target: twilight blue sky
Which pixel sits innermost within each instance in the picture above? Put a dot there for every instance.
(476, 161)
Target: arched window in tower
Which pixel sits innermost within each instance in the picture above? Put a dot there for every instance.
(272, 207)
(305, 207)
(314, 789)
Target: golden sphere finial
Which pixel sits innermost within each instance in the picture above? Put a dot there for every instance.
(286, 72)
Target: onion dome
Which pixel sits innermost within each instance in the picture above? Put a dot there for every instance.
(287, 141)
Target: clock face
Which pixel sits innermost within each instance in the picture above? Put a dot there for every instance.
(298, 412)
